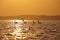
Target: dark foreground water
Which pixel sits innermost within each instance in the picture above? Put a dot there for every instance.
(29, 30)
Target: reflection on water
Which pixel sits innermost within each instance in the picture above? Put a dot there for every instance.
(29, 30)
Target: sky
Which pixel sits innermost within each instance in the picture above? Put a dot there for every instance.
(29, 7)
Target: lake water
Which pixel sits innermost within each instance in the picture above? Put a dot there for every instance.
(29, 29)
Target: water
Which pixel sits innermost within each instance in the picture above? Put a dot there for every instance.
(29, 30)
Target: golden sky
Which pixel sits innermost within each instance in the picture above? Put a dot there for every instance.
(29, 7)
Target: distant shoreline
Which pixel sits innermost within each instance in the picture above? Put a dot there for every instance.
(30, 17)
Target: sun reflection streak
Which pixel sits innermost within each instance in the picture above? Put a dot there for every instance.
(18, 31)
